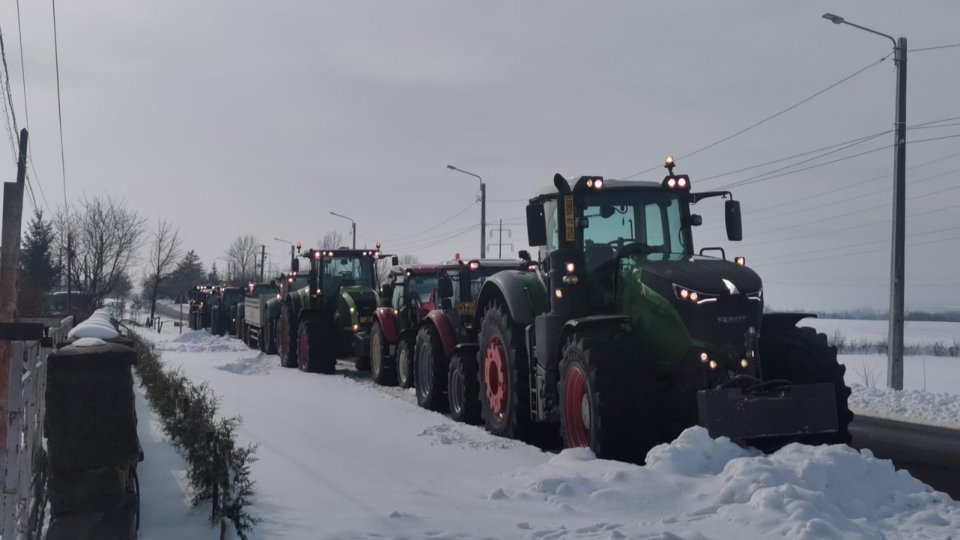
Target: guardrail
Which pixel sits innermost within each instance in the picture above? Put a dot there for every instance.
(24, 470)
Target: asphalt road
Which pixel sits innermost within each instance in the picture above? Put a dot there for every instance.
(931, 454)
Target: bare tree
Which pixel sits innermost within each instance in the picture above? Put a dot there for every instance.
(331, 240)
(163, 258)
(241, 258)
(100, 237)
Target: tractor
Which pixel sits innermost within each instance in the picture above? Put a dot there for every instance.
(199, 313)
(333, 313)
(222, 313)
(446, 342)
(408, 295)
(626, 336)
(275, 336)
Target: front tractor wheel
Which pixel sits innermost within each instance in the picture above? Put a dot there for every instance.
(504, 396)
(431, 369)
(404, 363)
(383, 367)
(315, 346)
(602, 401)
(463, 389)
(802, 356)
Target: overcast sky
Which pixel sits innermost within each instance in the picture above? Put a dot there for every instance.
(260, 118)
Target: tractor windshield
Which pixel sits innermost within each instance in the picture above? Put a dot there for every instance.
(646, 222)
(347, 270)
(421, 287)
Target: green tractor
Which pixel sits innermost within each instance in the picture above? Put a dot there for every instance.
(627, 336)
(332, 315)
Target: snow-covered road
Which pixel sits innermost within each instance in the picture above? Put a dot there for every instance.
(340, 458)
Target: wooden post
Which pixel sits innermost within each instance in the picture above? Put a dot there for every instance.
(9, 265)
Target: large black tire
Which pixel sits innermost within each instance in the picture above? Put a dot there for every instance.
(607, 402)
(405, 363)
(430, 364)
(383, 367)
(287, 338)
(316, 351)
(463, 389)
(802, 356)
(503, 381)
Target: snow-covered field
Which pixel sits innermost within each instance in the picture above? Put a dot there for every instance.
(342, 458)
(914, 332)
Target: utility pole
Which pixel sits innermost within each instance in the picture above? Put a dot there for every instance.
(501, 243)
(897, 274)
(353, 227)
(263, 259)
(69, 272)
(897, 251)
(9, 264)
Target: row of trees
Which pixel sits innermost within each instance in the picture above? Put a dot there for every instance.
(90, 249)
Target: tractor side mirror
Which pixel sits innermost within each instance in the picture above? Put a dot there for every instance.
(295, 265)
(395, 261)
(536, 225)
(734, 225)
(524, 255)
(445, 288)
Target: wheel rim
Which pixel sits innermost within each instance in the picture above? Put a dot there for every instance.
(456, 389)
(303, 351)
(376, 353)
(576, 408)
(495, 375)
(403, 364)
(423, 362)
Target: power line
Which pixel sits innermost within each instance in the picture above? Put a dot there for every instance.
(844, 201)
(852, 253)
(769, 176)
(26, 112)
(935, 48)
(432, 227)
(768, 118)
(56, 59)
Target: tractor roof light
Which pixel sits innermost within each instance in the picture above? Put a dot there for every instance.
(681, 182)
(589, 183)
(316, 255)
(571, 267)
(532, 267)
(474, 265)
(741, 261)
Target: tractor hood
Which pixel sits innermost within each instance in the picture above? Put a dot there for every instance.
(705, 275)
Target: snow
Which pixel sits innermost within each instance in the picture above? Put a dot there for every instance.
(99, 325)
(88, 342)
(341, 458)
(936, 409)
(914, 332)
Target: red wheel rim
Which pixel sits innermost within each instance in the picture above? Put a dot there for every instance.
(576, 408)
(302, 349)
(495, 375)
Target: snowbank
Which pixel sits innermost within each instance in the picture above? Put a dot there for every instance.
(698, 487)
(199, 341)
(907, 405)
(99, 325)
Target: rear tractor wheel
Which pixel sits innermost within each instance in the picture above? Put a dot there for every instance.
(287, 338)
(504, 395)
(463, 389)
(404, 363)
(431, 369)
(315, 346)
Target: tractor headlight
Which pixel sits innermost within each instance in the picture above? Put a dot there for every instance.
(756, 296)
(689, 295)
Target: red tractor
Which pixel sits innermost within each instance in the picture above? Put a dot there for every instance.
(409, 295)
(434, 337)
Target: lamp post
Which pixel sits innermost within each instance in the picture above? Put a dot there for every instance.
(483, 209)
(353, 227)
(895, 348)
(293, 254)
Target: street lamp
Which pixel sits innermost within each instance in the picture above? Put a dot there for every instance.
(353, 226)
(483, 209)
(895, 350)
(292, 244)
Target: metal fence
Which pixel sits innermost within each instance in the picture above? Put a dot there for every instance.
(24, 461)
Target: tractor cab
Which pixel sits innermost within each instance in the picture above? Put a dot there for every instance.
(413, 292)
(460, 283)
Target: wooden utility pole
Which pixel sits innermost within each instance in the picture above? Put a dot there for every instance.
(9, 265)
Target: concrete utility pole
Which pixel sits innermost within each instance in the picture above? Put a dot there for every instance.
(263, 259)
(897, 252)
(353, 227)
(483, 209)
(9, 264)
